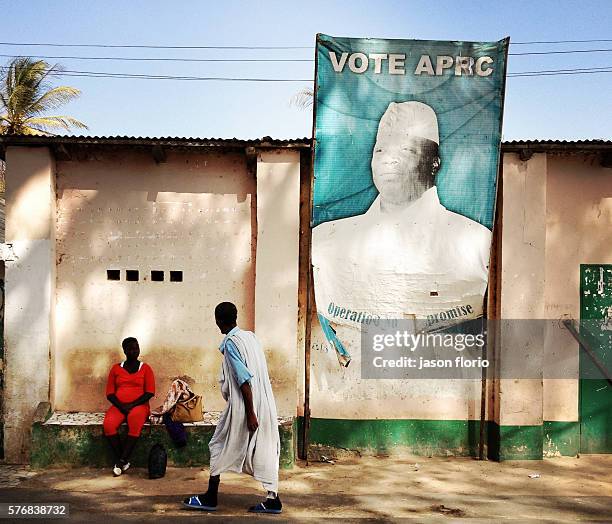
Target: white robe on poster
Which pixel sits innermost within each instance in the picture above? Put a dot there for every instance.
(415, 263)
(233, 447)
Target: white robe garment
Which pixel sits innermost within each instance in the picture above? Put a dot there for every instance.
(410, 264)
(233, 447)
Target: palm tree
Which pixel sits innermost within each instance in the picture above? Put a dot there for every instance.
(25, 95)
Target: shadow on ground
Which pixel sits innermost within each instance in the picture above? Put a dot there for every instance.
(392, 488)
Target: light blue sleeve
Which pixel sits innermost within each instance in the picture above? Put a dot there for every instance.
(241, 372)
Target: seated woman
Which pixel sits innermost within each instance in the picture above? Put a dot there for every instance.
(130, 386)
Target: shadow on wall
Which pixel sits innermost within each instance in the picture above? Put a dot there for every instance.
(578, 220)
(26, 379)
(579, 217)
(190, 221)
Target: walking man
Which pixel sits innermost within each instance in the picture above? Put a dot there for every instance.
(246, 439)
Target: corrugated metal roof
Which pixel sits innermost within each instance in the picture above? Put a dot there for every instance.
(266, 142)
(548, 142)
(557, 144)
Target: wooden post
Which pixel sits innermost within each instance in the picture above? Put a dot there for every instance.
(309, 280)
(493, 307)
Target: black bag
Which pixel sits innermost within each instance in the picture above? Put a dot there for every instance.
(158, 459)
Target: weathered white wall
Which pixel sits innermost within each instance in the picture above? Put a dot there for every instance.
(119, 210)
(29, 286)
(123, 211)
(557, 216)
(557, 213)
(277, 270)
(579, 222)
(340, 393)
(522, 288)
(197, 213)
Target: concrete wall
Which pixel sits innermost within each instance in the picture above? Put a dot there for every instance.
(523, 278)
(578, 226)
(556, 215)
(233, 229)
(119, 210)
(277, 271)
(196, 213)
(30, 289)
(122, 211)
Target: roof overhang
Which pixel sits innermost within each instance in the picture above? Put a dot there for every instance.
(62, 145)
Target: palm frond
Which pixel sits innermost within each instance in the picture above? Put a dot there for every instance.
(303, 99)
(54, 98)
(26, 94)
(54, 122)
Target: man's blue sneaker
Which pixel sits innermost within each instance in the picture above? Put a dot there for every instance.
(268, 506)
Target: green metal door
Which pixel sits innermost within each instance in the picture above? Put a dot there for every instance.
(596, 328)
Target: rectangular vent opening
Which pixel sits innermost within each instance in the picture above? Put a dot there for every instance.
(113, 274)
(157, 276)
(131, 275)
(176, 276)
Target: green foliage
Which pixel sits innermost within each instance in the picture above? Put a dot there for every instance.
(26, 95)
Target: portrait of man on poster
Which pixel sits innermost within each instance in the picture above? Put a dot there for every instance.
(407, 256)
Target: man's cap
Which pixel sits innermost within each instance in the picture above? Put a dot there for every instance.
(408, 119)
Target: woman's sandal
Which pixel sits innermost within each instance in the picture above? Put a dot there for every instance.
(120, 467)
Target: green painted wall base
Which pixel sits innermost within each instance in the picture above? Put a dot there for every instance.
(596, 412)
(56, 445)
(561, 439)
(421, 437)
(515, 442)
(441, 438)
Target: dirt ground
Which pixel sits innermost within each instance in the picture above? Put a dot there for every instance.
(352, 489)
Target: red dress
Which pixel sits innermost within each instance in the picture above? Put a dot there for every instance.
(127, 387)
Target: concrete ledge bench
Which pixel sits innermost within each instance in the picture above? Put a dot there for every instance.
(62, 439)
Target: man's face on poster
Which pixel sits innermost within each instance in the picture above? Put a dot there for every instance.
(403, 168)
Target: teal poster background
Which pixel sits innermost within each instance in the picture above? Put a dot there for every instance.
(349, 106)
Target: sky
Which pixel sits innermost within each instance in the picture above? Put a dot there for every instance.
(555, 107)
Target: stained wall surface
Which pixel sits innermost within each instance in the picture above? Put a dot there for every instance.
(121, 212)
(578, 227)
(29, 294)
(557, 214)
(232, 231)
(277, 271)
(523, 277)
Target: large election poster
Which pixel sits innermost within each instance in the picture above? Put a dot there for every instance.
(407, 142)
